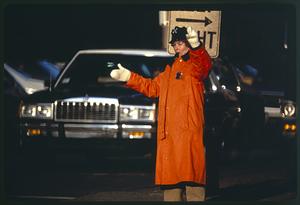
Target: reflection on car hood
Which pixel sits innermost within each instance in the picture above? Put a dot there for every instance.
(30, 85)
(119, 91)
(49, 68)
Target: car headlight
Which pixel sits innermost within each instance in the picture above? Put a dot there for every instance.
(288, 109)
(137, 113)
(40, 111)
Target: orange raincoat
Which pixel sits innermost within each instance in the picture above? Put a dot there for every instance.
(180, 150)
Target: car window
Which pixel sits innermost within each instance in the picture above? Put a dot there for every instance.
(224, 73)
(211, 83)
(94, 69)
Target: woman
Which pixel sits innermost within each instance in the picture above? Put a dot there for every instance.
(180, 160)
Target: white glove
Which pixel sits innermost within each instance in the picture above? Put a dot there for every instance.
(192, 37)
(121, 74)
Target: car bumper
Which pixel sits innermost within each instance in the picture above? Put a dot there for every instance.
(282, 127)
(109, 139)
(289, 128)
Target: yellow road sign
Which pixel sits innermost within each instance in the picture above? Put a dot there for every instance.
(206, 23)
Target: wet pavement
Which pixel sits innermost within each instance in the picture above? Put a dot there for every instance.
(263, 177)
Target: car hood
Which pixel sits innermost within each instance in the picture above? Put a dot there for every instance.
(124, 94)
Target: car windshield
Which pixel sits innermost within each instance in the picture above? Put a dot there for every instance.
(92, 70)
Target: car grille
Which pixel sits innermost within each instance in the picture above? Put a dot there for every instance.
(80, 110)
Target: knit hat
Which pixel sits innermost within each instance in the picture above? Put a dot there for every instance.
(178, 34)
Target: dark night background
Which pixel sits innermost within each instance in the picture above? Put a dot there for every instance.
(253, 35)
(250, 34)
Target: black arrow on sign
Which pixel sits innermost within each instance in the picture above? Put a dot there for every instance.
(206, 21)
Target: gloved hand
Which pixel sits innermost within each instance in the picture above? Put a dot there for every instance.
(121, 74)
(192, 37)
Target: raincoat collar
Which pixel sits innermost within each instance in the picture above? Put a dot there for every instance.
(185, 57)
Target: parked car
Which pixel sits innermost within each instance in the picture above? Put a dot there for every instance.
(24, 80)
(86, 109)
(273, 101)
(280, 118)
(260, 109)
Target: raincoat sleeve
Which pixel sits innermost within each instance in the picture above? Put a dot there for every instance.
(147, 86)
(201, 61)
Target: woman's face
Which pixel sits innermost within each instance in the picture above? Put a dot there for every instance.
(180, 47)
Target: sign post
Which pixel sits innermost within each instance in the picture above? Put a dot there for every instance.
(206, 23)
